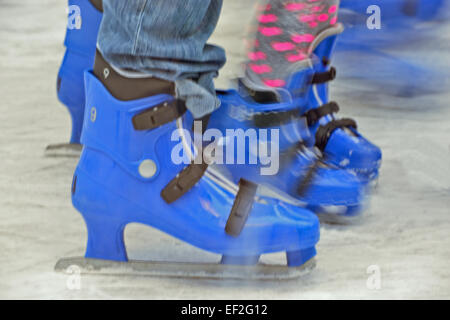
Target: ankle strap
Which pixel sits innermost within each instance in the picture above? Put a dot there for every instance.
(125, 88)
(98, 4)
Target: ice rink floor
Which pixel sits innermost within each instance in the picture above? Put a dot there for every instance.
(405, 232)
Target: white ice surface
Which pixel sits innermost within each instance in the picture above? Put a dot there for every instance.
(405, 231)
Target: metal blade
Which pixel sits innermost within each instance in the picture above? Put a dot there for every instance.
(183, 270)
(63, 150)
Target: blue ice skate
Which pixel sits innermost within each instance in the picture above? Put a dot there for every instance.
(127, 174)
(307, 92)
(80, 42)
(339, 139)
(298, 172)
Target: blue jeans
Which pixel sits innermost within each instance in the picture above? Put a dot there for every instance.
(166, 39)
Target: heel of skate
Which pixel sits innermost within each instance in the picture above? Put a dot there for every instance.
(105, 239)
(300, 257)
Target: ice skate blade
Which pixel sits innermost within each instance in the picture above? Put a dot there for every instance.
(63, 150)
(373, 185)
(183, 270)
(331, 219)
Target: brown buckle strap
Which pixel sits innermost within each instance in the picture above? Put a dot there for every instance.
(189, 176)
(263, 97)
(275, 118)
(313, 115)
(241, 209)
(324, 133)
(159, 115)
(322, 77)
(183, 182)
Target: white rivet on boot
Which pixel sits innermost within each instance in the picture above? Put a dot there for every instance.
(147, 168)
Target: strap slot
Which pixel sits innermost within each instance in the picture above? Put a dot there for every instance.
(159, 115)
